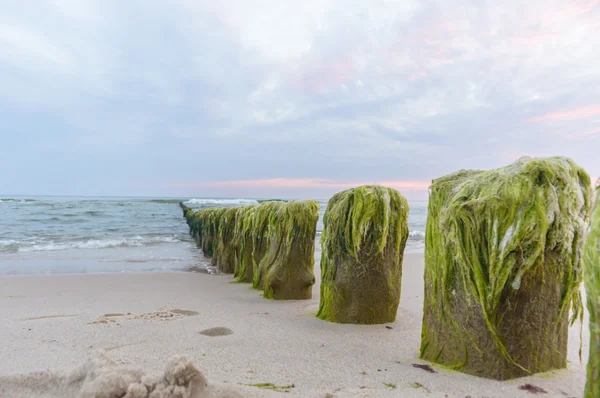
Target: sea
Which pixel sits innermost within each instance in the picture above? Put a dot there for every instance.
(42, 235)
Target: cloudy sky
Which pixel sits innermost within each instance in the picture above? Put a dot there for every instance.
(289, 98)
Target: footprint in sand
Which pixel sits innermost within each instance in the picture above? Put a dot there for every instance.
(107, 319)
(218, 331)
(110, 315)
(101, 321)
(161, 314)
(123, 345)
(48, 317)
(164, 314)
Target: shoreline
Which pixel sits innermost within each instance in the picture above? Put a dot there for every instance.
(191, 269)
(181, 256)
(56, 326)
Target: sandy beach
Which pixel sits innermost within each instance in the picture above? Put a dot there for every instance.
(55, 323)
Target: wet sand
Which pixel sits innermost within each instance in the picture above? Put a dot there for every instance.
(236, 338)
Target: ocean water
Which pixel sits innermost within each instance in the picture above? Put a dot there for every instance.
(74, 235)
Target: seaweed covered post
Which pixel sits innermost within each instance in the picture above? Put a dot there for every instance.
(592, 287)
(185, 209)
(193, 221)
(288, 265)
(224, 256)
(187, 214)
(364, 234)
(206, 233)
(210, 220)
(260, 239)
(244, 268)
(503, 260)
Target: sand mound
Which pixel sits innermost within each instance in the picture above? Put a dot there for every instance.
(101, 377)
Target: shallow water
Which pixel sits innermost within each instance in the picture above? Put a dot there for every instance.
(74, 235)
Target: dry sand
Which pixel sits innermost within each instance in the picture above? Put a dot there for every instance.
(235, 337)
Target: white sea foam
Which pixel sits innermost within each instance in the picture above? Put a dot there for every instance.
(17, 201)
(8, 242)
(167, 239)
(416, 235)
(221, 202)
(136, 241)
(44, 224)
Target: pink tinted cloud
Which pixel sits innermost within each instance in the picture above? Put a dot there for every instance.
(532, 38)
(584, 134)
(577, 113)
(419, 73)
(324, 76)
(308, 183)
(575, 8)
(542, 26)
(439, 32)
(433, 44)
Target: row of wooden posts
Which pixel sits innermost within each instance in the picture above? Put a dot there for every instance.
(270, 245)
(504, 254)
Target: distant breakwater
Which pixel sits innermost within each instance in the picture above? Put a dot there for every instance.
(270, 244)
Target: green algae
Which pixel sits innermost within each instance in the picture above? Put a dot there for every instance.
(244, 269)
(225, 254)
(187, 214)
(185, 209)
(591, 262)
(193, 221)
(210, 220)
(259, 225)
(272, 387)
(503, 253)
(417, 386)
(288, 264)
(364, 235)
(270, 245)
(194, 226)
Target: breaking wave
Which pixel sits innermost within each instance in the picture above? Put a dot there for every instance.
(18, 200)
(416, 235)
(29, 245)
(232, 202)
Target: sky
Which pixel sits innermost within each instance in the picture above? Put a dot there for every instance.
(287, 98)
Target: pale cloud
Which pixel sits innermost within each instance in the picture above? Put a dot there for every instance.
(306, 97)
(307, 183)
(23, 48)
(579, 113)
(303, 187)
(585, 134)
